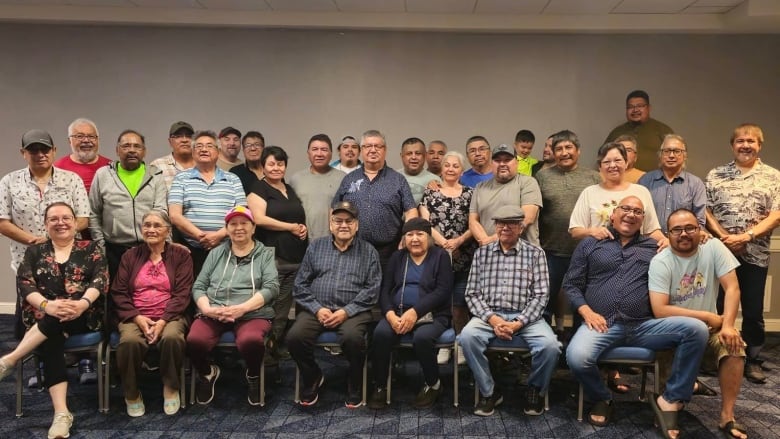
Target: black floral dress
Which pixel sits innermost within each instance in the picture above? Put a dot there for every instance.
(450, 216)
(85, 268)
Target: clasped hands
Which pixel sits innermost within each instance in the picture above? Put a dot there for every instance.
(66, 309)
(150, 328)
(504, 329)
(403, 323)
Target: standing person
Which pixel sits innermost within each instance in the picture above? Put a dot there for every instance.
(381, 194)
(121, 194)
(151, 293)
(235, 291)
(648, 132)
(336, 287)
(683, 281)
(435, 156)
(448, 211)
(560, 187)
(478, 154)
(317, 185)
(229, 148)
(349, 155)
(632, 173)
(84, 158)
(279, 213)
(180, 159)
(548, 158)
(416, 297)
(251, 170)
(524, 144)
(672, 187)
(62, 283)
(743, 208)
(413, 160)
(199, 198)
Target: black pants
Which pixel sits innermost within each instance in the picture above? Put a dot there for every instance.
(52, 351)
(114, 254)
(423, 341)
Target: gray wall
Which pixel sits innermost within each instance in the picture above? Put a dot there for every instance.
(292, 84)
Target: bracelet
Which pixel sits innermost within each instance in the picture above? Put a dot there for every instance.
(42, 305)
(87, 299)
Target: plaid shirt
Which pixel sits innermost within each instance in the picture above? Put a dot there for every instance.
(508, 282)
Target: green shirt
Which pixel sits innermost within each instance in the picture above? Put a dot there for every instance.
(649, 136)
(131, 179)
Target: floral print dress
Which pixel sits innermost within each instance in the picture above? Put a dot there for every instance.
(450, 216)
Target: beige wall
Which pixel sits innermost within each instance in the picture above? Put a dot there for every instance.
(292, 84)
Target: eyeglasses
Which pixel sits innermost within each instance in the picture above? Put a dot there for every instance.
(609, 163)
(689, 230)
(376, 146)
(472, 151)
(340, 221)
(636, 107)
(672, 151)
(66, 219)
(631, 150)
(155, 226)
(500, 224)
(199, 146)
(129, 146)
(628, 209)
(83, 137)
(257, 145)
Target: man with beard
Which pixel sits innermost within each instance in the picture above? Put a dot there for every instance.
(477, 150)
(435, 156)
(317, 185)
(648, 132)
(121, 194)
(251, 170)
(349, 155)
(743, 208)
(229, 148)
(413, 159)
(548, 158)
(180, 158)
(84, 159)
(507, 187)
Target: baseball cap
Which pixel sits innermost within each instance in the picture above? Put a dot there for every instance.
(37, 137)
(347, 139)
(503, 149)
(239, 211)
(178, 126)
(509, 213)
(345, 206)
(229, 130)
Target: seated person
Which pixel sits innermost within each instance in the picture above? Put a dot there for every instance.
(416, 298)
(336, 287)
(61, 283)
(234, 291)
(507, 292)
(151, 293)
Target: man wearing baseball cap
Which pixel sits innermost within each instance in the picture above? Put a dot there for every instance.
(180, 158)
(336, 287)
(349, 155)
(229, 148)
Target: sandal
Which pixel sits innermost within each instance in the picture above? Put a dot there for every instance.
(601, 408)
(667, 420)
(699, 388)
(616, 386)
(729, 428)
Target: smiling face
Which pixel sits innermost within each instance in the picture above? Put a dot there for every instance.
(672, 155)
(240, 229)
(84, 143)
(566, 155)
(628, 216)
(374, 151)
(435, 156)
(230, 145)
(746, 146)
(637, 110)
(631, 154)
(60, 223)
(154, 229)
(349, 151)
(508, 232)
(684, 237)
(320, 155)
(40, 158)
(274, 169)
(547, 152)
(343, 226)
(205, 151)
(504, 167)
(417, 243)
(451, 170)
(253, 148)
(523, 148)
(131, 151)
(613, 166)
(413, 158)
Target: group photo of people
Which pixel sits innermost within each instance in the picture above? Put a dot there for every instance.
(464, 246)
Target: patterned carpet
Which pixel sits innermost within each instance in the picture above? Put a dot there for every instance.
(229, 415)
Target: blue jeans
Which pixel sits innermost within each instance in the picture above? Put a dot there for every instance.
(545, 349)
(685, 334)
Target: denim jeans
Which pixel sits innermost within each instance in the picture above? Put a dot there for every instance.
(685, 334)
(538, 336)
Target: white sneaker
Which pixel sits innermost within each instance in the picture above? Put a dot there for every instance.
(60, 426)
(444, 356)
(461, 357)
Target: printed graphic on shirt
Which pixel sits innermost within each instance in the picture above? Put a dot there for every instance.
(692, 285)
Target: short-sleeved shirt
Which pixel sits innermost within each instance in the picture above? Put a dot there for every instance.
(22, 203)
(84, 170)
(526, 165)
(289, 248)
(692, 282)
(316, 192)
(205, 204)
(472, 178)
(246, 175)
(740, 201)
(649, 136)
(418, 183)
(380, 202)
(560, 190)
(169, 167)
(490, 195)
(595, 206)
(684, 191)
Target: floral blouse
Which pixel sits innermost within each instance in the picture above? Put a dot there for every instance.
(85, 268)
(450, 216)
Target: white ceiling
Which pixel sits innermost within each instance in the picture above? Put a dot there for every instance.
(640, 16)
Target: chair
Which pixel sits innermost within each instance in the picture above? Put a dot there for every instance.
(113, 342)
(91, 342)
(446, 340)
(631, 356)
(328, 339)
(518, 346)
(228, 340)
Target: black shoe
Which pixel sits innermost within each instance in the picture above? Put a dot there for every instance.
(378, 399)
(754, 372)
(354, 400)
(311, 395)
(486, 405)
(427, 397)
(204, 389)
(253, 391)
(534, 402)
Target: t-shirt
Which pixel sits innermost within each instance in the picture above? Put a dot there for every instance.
(84, 170)
(418, 183)
(226, 165)
(693, 281)
(595, 206)
(490, 195)
(408, 293)
(472, 178)
(289, 248)
(131, 179)
(316, 192)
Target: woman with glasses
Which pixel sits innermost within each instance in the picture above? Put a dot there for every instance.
(61, 283)
(151, 293)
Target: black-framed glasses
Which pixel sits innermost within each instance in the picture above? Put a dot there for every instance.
(689, 230)
(83, 137)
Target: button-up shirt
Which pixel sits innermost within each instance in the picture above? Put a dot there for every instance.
(334, 279)
(684, 191)
(508, 282)
(611, 278)
(169, 167)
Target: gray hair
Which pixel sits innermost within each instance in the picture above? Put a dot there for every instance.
(457, 155)
(373, 133)
(158, 213)
(82, 121)
(676, 137)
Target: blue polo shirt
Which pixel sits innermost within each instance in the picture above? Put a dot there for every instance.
(472, 178)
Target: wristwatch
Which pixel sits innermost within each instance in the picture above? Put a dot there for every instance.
(752, 234)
